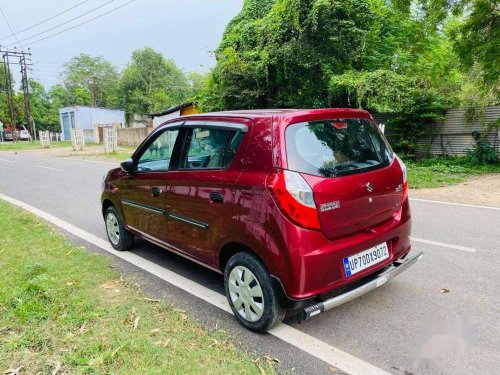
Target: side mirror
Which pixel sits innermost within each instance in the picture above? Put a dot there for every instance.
(128, 166)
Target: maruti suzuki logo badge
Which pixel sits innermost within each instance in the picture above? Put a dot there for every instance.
(369, 187)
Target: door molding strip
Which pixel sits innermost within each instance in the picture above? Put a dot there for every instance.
(167, 214)
(155, 210)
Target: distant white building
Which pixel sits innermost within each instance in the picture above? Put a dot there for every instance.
(88, 118)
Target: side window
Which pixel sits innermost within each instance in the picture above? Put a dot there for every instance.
(211, 148)
(156, 157)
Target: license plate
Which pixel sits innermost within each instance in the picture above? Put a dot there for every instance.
(365, 259)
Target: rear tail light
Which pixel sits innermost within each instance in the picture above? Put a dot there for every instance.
(405, 176)
(295, 198)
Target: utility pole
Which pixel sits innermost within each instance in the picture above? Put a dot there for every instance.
(22, 58)
(26, 92)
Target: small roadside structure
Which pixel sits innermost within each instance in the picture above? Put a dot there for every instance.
(89, 119)
(173, 112)
(44, 137)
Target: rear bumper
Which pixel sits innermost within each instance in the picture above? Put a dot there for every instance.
(314, 264)
(370, 284)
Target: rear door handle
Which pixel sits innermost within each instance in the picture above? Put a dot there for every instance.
(155, 191)
(216, 197)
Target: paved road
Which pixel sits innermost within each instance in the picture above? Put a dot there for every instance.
(408, 326)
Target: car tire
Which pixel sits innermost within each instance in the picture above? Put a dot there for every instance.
(250, 293)
(119, 237)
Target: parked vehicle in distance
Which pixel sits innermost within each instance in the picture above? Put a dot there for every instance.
(8, 136)
(299, 209)
(24, 135)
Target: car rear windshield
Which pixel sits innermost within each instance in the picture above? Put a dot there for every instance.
(335, 148)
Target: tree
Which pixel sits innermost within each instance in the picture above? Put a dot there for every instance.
(477, 40)
(4, 105)
(40, 107)
(85, 74)
(282, 52)
(150, 83)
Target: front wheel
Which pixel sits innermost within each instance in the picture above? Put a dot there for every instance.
(250, 293)
(120, 238)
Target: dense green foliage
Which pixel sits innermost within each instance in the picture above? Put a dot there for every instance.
(477, 39)
(281, 53)
(84, 74)
(411, 57)
(483, 153)
(151, 83)
(414, 58)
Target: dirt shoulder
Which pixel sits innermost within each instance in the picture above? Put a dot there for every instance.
(63, 151)
(483, 190)
(93, 152)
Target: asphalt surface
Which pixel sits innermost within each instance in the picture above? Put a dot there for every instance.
(442, 316)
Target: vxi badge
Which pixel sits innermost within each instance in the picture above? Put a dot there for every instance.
(329, 206)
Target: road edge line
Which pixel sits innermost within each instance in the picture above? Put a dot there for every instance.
(445, 245)
(454, 204)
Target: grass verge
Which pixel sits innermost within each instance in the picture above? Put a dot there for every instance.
(120, 155)
(24, 145)
(433, 173)
(63, 309)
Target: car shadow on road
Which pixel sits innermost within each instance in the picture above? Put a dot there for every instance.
(179, 265)
(189, 269)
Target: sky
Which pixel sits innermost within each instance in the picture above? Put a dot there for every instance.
(186, 31)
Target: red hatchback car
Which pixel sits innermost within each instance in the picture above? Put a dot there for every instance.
(299, 209)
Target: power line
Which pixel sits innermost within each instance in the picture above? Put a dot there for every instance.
(64, 23)
(45, 69)
(48, 62)
(46, 20)
(83, 23)
(10, 28)
(49, 66)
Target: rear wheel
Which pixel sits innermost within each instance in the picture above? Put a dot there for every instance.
(120, 238)
(250, 293)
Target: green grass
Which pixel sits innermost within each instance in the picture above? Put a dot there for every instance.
(120, 155)
(24, 145)
(63, 307)
(432, 173)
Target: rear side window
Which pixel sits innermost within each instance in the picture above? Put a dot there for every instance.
(211, 148)
(335, 148)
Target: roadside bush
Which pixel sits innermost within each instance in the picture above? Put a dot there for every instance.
(483, 153)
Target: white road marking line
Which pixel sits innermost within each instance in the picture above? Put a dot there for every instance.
(454, 204)
(73, 158)
(442, 244)
(52, 169)
(317, 348)
(7, 161)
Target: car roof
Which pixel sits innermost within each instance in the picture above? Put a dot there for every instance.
(254, 114)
